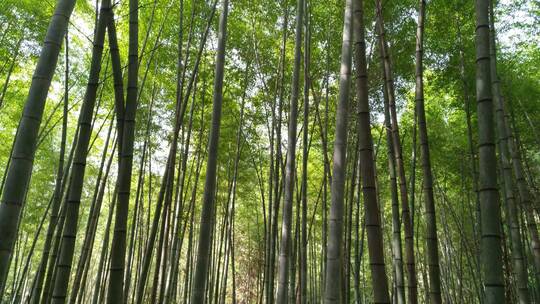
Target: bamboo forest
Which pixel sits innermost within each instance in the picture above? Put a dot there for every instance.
(269, 151)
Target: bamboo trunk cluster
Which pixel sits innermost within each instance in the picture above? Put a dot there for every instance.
(449, 243)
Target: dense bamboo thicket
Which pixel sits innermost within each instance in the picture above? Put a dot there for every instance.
(249, 151)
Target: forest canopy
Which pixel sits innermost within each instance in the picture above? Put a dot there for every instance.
(251, 151)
